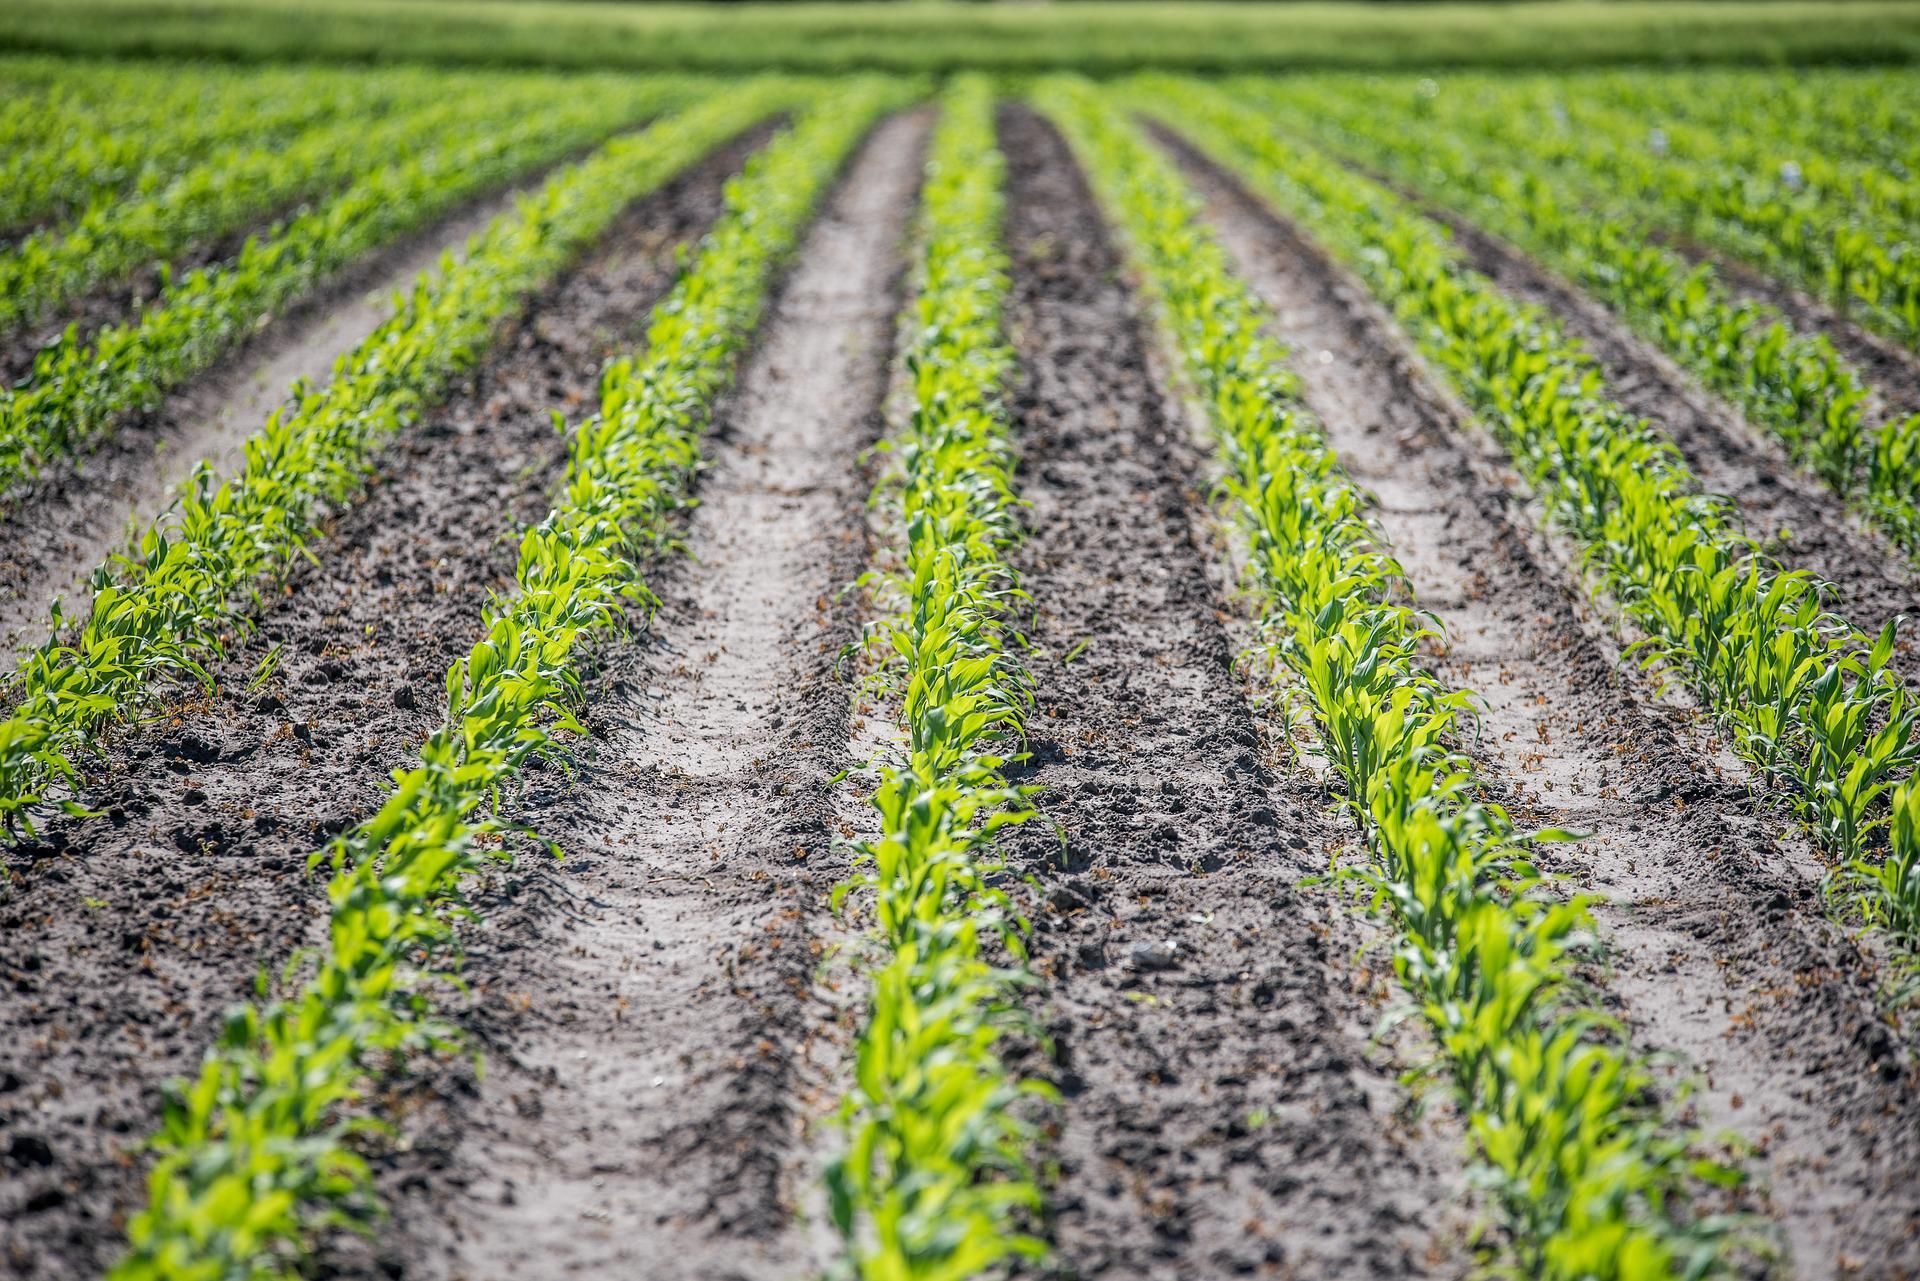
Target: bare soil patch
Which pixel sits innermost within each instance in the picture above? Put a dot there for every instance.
(128, 934)
(1890, 370)
(87, 507)
(1806, 525)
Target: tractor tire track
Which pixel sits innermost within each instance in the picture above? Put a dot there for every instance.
(647, 1005)
(1220, 1113)
(127, 935)
(1719, 948)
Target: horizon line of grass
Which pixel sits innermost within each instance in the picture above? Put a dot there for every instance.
(1090, 37)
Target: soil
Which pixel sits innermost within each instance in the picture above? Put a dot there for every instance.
(1222, 1114)
(1803, 523)
(646, 1006)
(661, 1019)
(87, 507)
(128, 934)
(1718, 949)
(1891, 372)
(114, 303)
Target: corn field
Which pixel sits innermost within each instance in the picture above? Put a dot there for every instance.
(874, 675)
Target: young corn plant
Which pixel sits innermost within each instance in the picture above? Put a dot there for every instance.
(97, 132)
(161, 611)
(82, 387)
(1809, 701)
(232, 190)
(1792, 385)
(258, 1153)
(1860, 258)
(1590, 1181)
(936, 1178)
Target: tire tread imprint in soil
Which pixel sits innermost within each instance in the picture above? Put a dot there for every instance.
(1718, 945)
(129, 934)
(1220, 1115)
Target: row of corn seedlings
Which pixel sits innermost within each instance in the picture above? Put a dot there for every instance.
(161, 611)
(1792, 385)
(230, 191)
(1558, 1106)
(1742, 148)
(936, 1173)
(1866, 265)
(82, 386)
(76, 133)
(258, 1153)
(1851, 114)
(1807, 700)
(1746, 144)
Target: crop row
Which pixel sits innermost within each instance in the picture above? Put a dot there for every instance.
(1859, 114)
(161, 611)
(1792, 385)
(82, 386)
(936, 1169)
(96, 132)
(1866, 265)
(1738, 143)
(1810, 703)
(259, 1152)
(1556, 1103)
(233, 189)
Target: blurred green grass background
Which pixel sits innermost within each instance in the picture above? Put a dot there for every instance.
(1096, 36)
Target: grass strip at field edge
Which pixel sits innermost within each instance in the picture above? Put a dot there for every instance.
(258, 1153)
(937, 1173)
(160, 611)
(1590, 1178)
(1095, 38)
(1807, 700)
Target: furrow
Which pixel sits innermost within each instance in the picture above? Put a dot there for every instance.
(92, 506)
(83, 384)
(1718, 947)
(1892, 371)
(1776, 500)
(176, 600)
(646, 1004)
(1800, 693)
(1220, 1112)
(128, 935)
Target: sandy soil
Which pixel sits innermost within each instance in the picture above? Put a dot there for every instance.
(647, 1010)
(1222, 1115)
(88, 507)
(1805, 525)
